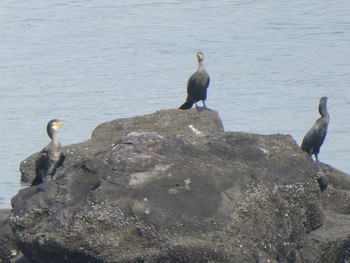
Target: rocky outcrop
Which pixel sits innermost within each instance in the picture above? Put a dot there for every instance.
(6, 244)
(174, 187)
(9, 251)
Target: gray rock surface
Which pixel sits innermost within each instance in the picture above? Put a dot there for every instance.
(8, 249)
(6, 242)
(174, 187)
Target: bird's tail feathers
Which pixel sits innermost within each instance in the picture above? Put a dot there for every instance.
(61, 161)
(37, 180)
(187, 105)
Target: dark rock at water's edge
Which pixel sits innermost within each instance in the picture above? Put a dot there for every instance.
(7, 245)
(174, 187)
(8, 249)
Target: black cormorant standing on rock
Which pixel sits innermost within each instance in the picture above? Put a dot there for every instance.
(50, 157)
(315, 137)
(197, 85)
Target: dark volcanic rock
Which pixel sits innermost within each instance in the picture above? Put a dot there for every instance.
(174, 187)
(6, 243)
(167, 121)
(8, 249)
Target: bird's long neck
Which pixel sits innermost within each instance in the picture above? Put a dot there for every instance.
(54, 138)
(326, 117)
(323, 110)
(200, 66)
(324, 113)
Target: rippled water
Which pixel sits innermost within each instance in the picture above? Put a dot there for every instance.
(92, 61)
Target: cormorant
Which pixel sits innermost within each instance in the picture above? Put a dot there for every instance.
(315, 137)
(197, 85)
(50, 157)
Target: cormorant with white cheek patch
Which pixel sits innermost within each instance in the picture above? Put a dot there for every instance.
(197, 85)
(51, 157)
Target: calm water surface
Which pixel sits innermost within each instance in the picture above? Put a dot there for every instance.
(92, 61)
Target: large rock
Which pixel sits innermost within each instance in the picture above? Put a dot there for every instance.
(174, 187)
(7, 245)
(8, 249)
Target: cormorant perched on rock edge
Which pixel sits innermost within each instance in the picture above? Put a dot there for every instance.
(197, 85)
(315, 136)
(50, 158)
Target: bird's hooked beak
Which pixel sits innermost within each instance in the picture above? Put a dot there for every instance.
(58, 124)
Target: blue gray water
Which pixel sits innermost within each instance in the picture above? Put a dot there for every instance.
(90, 61)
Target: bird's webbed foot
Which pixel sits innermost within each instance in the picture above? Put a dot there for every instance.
(205, 106)
(317, 161)
(197, 107)
(200, 109)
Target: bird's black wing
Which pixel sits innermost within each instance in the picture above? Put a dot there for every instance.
(61, 161)
(320, 134)
(192, 88)
(41, 167)
(203, 95)
(315, 137)
(191, 93)
(308, 141)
